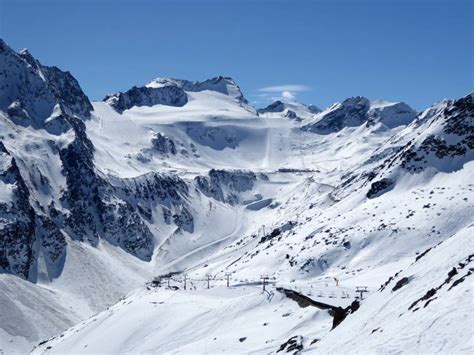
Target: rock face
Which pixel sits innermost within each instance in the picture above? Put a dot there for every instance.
(38, 97)
(170, 95)
(163, 144)
(379, 187)
(94, 205)
(147, 192)
(276, 106)
(224, 185)
(291, 114)
(23, 232)
(32, 93)
(17, 219)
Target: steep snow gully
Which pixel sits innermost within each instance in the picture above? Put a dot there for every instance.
(177, 218)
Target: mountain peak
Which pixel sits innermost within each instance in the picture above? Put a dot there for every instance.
(31, 91)
(358, 110)
(277, 106)
(223, 84)
(164, 94)
(3, 45)
(292, 110)
(172, 92)
(358, 103)
(28, 57)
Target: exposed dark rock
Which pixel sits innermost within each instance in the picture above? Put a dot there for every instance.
(461, 279)
(294, 344)
(29, 91)
(234, 182)
(67, 91)
(163, 144)
(169, 95)
(402, 282)
(292, 115)
(17, 233)
(422, 254)
(379, 187)
(427, 296)
(274, 233)
(184, 219)
(455, 140)
(276, 106)
(338, 313)
(390, 279)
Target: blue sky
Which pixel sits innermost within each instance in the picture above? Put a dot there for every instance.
(316, 51)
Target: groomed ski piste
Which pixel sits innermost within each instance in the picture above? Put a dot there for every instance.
(323, 202)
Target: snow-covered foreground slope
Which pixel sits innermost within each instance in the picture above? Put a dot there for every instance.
(403, 315)
(96, 199)
(205, 321)
(92, 279)
(426, 308)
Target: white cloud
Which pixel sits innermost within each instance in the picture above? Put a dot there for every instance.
(288, 95)
(286, 92)
(287, 87)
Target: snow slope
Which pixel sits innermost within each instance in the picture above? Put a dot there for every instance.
(248, 323)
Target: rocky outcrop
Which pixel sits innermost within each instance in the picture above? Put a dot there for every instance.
(225, 185)
(338, 313)
(67, 92)
(377, 188)
(99, 209)
(276, 106)
(17, 219)
(149, 191)
(163, 144)
(169, 95)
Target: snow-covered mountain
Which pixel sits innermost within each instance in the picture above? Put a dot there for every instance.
(357, 111)
(290, 110)
(173, 177)
(172, 92)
